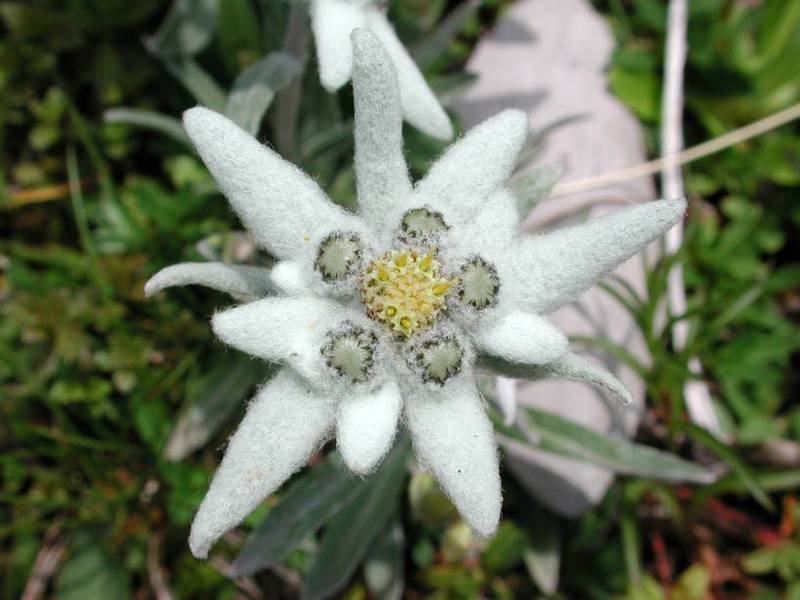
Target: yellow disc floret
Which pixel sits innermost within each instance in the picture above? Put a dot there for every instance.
(405, 290)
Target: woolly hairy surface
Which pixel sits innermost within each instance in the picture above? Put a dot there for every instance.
(284, 424)
(332, 21)
(240, 281)
(493, 228)
(420, 105)
(381, 172)
(289, 277)
(290, 331)
(569, 366)
(521, 337)
(474, 167)
(546, 271)
(454, 440)
(366, 426)
(279, 204)
(289, 215)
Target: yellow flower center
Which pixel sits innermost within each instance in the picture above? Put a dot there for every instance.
(405, 290)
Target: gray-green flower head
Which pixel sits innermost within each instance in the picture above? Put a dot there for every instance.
(332, 22)
(383, 313)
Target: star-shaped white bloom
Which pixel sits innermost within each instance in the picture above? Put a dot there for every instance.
(332, 22)
(382, 315)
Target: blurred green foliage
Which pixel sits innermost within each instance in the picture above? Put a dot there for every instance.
(94, 378)
(741, 252)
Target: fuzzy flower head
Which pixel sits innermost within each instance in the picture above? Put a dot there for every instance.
(332, 22)
(380, 316)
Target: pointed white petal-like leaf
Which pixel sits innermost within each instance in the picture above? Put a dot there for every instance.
(454, 440)
(520, 337)
(290, 278)
(546, 271)
(281, 206)
(381, 171)
(366, 425)
(332, 22)
(421, 108)
(284, 424)
(506, 398)
(290, 331)
(474, 167)
(569, 366)
(491, 230)
(240, 281)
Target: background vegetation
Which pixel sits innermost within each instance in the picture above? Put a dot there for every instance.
(96, 479)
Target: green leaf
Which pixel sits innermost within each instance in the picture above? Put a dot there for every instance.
(197, 81)
(350, 533)
(761, 561)
(438, 42)
(561, 436)
(736, 464)
(186, 30)
(238, 32)
(646, 589)
(640, 90)
(779, 23)
(91, 573)
(211, 400)
(256, 86)
(169, 126)
(532, 187)
(384, 569)
(543, 556)
(536, 137)
(309, 503)
(505, 549)
(694, 583)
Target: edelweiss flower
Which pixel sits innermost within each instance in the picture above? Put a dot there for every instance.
(384, 313)
(332, 22)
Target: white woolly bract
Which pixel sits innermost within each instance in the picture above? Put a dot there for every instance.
(520, 337)
(569, 366)
(290, 277)
(332, 21)
(474, 167)
(260, 185)
(284, 424)
(366, 425)
(577, 368)
(240, 281)
(454, 440)
(546, 271)
(490, 231)
(320, 327)
(420, 105)
(290, 331)
(381, 171)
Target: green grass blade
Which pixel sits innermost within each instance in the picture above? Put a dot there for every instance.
(351, 532)
(566, 438)
(384, 568)
(736, 464)
(186, 30)
(197, 81)
(256, 86)
(543, 556)
(212, 400)
(169, 126)
(436, 44)
(532, 187)
(308, 504)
